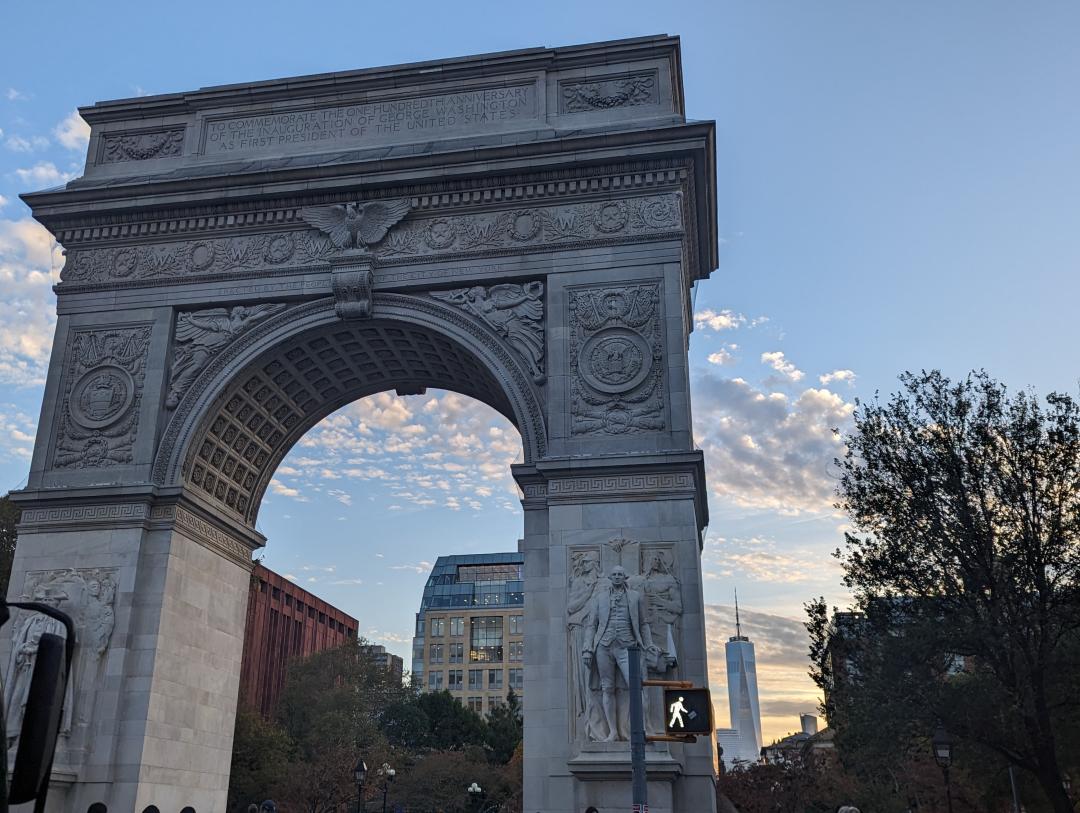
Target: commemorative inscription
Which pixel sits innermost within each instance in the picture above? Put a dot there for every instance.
(349, 125)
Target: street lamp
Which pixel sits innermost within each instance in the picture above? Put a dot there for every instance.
(360, 774)
(942, 744)
(388, 774)
(476, 799)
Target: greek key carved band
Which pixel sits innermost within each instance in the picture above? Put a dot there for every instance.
(79, 514)
(203, 532)
(620, 485)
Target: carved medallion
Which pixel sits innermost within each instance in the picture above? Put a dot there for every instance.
(99, 415)
(611, 217)
(439, 233)
(616, 360)
(525, 224)
(101, 397)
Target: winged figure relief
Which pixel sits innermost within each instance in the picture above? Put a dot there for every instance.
(515, 312)
(201, 334)
(356, 225)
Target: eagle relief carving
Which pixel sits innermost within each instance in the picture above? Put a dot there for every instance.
(356, 225)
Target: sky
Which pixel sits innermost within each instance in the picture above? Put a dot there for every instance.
(898, 187)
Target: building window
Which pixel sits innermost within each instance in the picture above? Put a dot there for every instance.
(486, 639)
(517, 679)
(434, 681)
(517, 625)
(476, 678)
(457, 626)
(517, 651)
(454, 680)
(457, 653)
(438, 627)
(435, 653)
(476, 704)
(275, 593)
(495, 702)
(495, 678)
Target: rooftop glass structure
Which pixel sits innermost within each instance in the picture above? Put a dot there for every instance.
(475, 580)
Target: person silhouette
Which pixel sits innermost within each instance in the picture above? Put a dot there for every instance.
(677, 710)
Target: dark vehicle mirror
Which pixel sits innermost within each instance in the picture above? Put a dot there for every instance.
(41, 721)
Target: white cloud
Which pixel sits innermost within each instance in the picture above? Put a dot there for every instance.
(347, 581)
(17, 143)
(43, 173)
(3, 201)
(418, 568)
(765, 450)
(30, 262)
(846, 376)
(722, 357)
(16, 432)
(279, 487)
(718, 320)
(73, 132)
(14, 95)
(776, 360)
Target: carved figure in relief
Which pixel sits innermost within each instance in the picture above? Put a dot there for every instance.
(664, 605)
(356, 225)
(515, 312)
(616, 620)
(584, 578)
(200, 335)
(24, 647)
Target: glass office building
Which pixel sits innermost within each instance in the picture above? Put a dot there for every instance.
(470, 630)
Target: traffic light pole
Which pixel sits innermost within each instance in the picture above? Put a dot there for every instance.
(639, 786)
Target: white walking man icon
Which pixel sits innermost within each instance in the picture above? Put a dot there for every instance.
(677, 710)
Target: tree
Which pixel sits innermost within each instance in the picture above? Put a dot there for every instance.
(966, 566)
(260, 755)
(9, 519)
(452, 726)
(504, 729)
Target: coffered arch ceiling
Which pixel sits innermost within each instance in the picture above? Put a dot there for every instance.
(282, 388)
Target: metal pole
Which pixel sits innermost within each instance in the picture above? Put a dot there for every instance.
(385, 788)
(948, 790)
(639, 788)
(1015, 790)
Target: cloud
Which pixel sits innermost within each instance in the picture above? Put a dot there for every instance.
(3, 201)
(757, 559)
(776, 360)
(43, 173)
(723, 356)
(16, 433)
(765, 450)
(278, 487)
(347, 581)
(14, 95)
(30, 262)
(73, 132)
(418, 568)
(17, 143)
(718, 320)
(847, 376)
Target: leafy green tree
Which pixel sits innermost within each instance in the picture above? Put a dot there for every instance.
(965, 565)
(261, 753)
(9, 519)
(452, 726)
(504, 729)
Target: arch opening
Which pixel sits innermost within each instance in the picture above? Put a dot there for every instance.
(285, 387)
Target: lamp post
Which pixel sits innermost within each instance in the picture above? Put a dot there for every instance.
(360, 774)
(388, 774)
(476, 799)
(942, 744)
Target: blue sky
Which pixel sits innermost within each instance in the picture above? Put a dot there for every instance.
(898, 187)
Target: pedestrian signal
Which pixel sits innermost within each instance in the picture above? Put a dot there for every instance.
(688, 711)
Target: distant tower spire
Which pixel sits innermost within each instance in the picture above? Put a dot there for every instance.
(738, 626)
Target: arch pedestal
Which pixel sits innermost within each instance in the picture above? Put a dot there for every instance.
(533, 246)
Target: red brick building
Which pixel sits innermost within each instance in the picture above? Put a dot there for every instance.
(283, 622)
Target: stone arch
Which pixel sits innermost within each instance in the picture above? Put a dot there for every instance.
(261, 394)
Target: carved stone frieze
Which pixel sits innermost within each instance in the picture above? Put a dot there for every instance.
(203, 532)
(608, 92)
(142, 146)
(32, 518)
(616, 360)
(534, 227)
(201, 335)
(515, 312)
(356, 225)
(99, 413)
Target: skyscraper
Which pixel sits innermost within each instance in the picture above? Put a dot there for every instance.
(741, 742)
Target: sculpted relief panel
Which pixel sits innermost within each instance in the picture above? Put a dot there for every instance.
(608, 92)
(99, 413)
(616, 360)
(619, 594)
(356, 225)
(88, 595)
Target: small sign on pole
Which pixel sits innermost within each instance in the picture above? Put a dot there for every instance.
(688, 712)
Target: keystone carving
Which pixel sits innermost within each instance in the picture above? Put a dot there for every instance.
(200, 335)
(616, 353)
(352, 290)
(515, 312)
(356, 225)
(99, 413)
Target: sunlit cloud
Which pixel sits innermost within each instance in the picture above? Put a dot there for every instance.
(18, 143)
(718, 320)
(43, 174)
(778, 362)
(847, 376)
(73, 132)
(30, 262)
